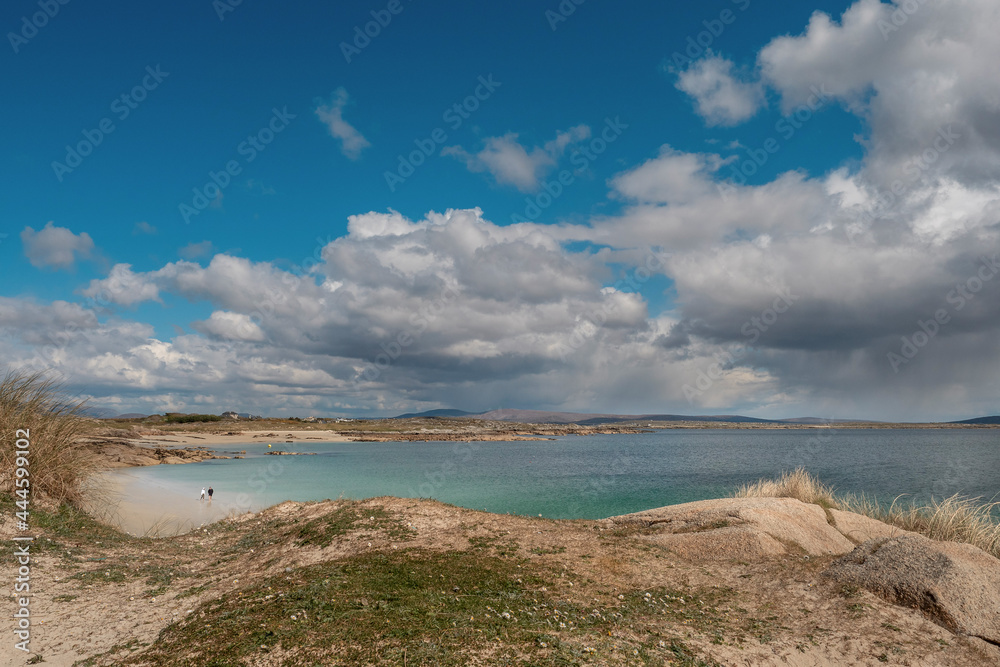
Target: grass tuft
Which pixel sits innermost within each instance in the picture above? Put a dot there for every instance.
(58, 462)
(954, 519)
(798, 484)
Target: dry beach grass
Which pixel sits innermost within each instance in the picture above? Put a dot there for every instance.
(952, 519)
(59, 462)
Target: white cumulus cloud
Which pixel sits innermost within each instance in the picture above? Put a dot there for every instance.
(722, 97)
(511, 163)
(55, 247)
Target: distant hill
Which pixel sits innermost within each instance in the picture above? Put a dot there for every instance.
(436, 413)
(823, 420)
(995, 419)
(542, 417)
(97, 413)
(132, 415)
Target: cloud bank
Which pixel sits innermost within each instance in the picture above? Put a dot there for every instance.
(869, 291)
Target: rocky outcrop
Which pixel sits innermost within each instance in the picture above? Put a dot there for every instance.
(125, 454)
(739, 528)
(859, 528)
(956, 585)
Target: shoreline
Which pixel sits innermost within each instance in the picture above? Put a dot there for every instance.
(120, 506)
(141, 445)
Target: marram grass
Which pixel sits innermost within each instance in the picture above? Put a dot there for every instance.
(58, 463)
(953, 519)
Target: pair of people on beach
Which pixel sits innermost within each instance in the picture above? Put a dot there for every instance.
(210, 492)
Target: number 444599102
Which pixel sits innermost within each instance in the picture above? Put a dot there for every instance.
(23, 482)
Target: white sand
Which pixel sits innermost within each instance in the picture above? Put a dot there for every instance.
(181, 438)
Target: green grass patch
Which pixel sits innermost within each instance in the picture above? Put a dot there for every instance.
(188, 419)
(351, 518)
(446, 609)
(109, 574)
(495, 543)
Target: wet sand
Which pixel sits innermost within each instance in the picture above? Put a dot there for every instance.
(140, 507)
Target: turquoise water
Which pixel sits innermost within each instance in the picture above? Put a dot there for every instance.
(593, 476)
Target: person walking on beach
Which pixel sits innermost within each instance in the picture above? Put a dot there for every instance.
(210, 492)
(202, 493)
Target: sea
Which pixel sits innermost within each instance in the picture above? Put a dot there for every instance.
(571, 477)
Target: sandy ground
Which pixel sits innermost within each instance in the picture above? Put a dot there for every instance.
(810, 623)
(184, 439)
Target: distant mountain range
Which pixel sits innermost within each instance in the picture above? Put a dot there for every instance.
(546, 417)
(584, 419)
(541, 417)
(437, 413)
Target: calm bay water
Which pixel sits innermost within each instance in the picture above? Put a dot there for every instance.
(592, 476)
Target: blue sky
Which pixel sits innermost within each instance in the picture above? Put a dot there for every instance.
(210, 78)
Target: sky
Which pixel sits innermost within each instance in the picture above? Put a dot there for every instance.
(369, 208)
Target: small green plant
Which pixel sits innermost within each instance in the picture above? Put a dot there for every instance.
(849, 591)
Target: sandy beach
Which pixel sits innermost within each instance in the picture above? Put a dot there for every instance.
(185, 439)
(141, 507)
